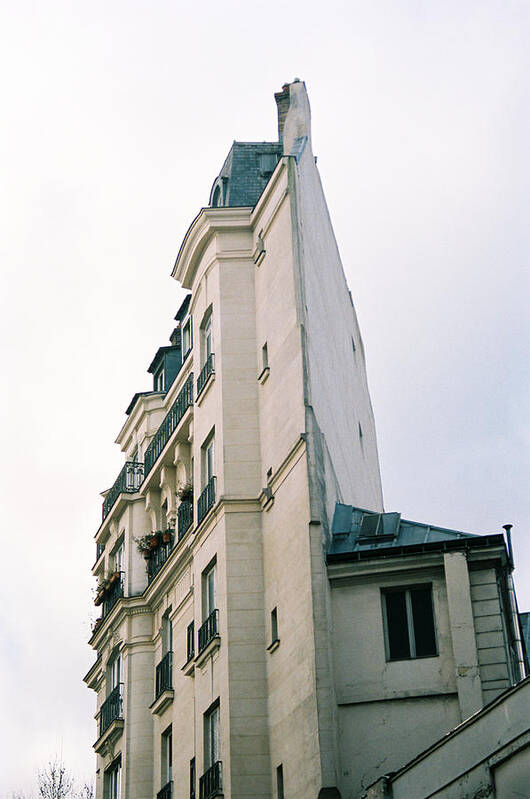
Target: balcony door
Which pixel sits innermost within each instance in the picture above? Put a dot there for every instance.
(211, 737)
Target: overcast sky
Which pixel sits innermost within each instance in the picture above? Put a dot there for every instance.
(115, 119)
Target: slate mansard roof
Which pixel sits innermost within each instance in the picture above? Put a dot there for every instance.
(245, 173)
(358, 533)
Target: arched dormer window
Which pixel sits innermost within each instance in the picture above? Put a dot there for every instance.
(218, 193)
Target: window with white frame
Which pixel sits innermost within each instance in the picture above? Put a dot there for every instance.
(212, 749)
(114, 672)
(209, 591)
(208, 460)
(207, 337)
(187, 337)
(167, 756)
(408, 618)
(112, 781)
(167, 633)
(118, 559)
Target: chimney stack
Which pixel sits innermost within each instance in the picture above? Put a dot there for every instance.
(282, 101)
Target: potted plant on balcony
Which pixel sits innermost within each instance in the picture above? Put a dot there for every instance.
(143, 545)
(185, 492)
(154, 539)
(113, 578)
(101, 590)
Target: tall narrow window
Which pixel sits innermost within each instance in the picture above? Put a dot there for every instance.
(167, 756)
(187, 342)
(211, 736)
(192, 778)
(208, 592)
(409, 623)
(274, 625)
(112, 782)
(167, 633)
(279, 782)
(208, 461)
(208, 338)
(264, 356)
(114, 673)
(118, 559)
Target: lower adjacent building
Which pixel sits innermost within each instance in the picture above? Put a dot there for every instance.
(261, 635)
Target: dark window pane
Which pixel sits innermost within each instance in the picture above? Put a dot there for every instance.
(423, 622)
(398, 632)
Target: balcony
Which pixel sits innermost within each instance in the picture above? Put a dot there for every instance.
(164, 677)
(206, 500)
(184, 517)
(206, 372)
(208, 630)
(113, 593)
(166, 792)
(127, 482)
(183, 401)
(211, 782)
(111, 709)
(158, 558)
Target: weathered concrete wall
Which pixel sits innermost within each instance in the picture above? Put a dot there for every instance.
(487, 756)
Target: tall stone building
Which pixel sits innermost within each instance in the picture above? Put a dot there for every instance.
(261, 635)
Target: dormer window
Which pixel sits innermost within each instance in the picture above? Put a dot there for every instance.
(159, 381)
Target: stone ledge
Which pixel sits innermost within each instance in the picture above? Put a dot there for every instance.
(109, 737)
(162, 701)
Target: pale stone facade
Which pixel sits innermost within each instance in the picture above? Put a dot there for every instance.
(242, 655)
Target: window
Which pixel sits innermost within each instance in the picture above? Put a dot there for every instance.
(207, 339)
(114, 673)
(167, 756)
(208, 461)
(159, 381)
(211, 736)
(208, 591)
(112, 782)
(274, 625)
(187, 338)
(192, 778)
(167, 633)
(118, 559)
(409, 623)
(279, 781)
(264, 356)
(190, 641)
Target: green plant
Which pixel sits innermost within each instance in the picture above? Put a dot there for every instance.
(143, 543)
(185, 492)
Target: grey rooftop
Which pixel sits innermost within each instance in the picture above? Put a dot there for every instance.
(361, 533)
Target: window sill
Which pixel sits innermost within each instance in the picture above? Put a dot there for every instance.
(189, 667)
(273, 646)
(409, 658)
(163, 701)
(263, 375)
(106, 741)
(208, 650)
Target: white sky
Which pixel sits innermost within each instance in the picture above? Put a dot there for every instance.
(115, 119)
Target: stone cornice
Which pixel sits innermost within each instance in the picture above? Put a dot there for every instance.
(208, 222)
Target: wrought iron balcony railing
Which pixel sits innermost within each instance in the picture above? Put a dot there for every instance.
(127, 482)
(164, 676)
(114, 592)
(185, 517)
(190, 640)
(211, 782)
(166, 792)
(207, 370)
(206, 500)
(183, 401)
(111, 709)
(208, 630)
(158, 558)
